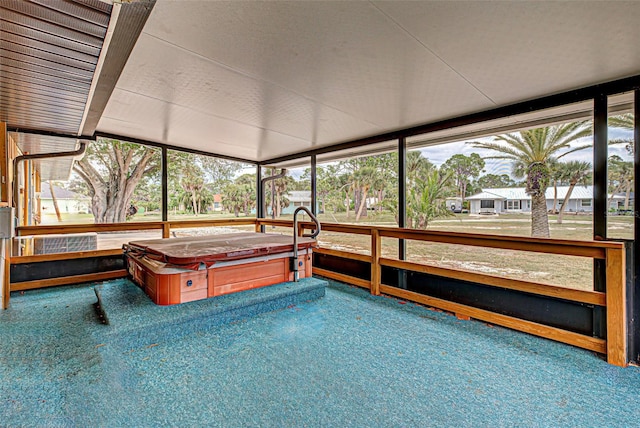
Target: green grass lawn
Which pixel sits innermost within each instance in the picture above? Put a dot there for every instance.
(566, 271)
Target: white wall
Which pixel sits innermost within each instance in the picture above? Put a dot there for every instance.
(65, 206)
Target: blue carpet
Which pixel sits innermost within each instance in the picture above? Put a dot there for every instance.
(128, 311)
(349, 359)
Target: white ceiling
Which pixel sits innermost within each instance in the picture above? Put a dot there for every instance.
(258, 80)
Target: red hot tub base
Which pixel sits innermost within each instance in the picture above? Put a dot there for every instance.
(180, 270)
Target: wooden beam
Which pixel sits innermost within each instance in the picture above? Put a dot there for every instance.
(376, 250)
(211, 222)
(274, 222)
(38, 186)
(589, 297)
(346, 228)
(342, 277)
(68, 280)
(343, 254)
(26, 169)
(88, 228)
(5, 189)
(5, 199)
(64, 256)
(119, 227)
(576, 248)
(616, 308)
(557, 334)
(5, 248)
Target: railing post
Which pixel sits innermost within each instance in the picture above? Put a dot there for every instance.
(616, 307)
(376, 246)
(258, 226)
(166, 229)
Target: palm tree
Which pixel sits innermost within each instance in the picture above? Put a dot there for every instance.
(364, 179)
(417, 167)
(555, 174)
(427, 199)
(576, 172)
(192, 184)
(622, 121)
(233, 198)
(532, 150)
(280, 188)
(621, 174)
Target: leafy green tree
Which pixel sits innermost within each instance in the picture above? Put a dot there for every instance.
(275, 194)
(623, 121)
(240, 195)
(148, 194)
(385, 183)
(531, 151)
(417, 167)
(575, 172)
(233, 198)
(555, 175)
(363, 180)
(495, 181)
(193, 186)
(324, 182)
(111, 170)
(218, 172)
(463, 170)
(426, 200)
(621, 177)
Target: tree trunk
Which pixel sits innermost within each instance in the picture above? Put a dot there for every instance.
(194, 202)
(55, 201)
(363, 203)
(617, 189)
(555, 196)
(347, 202)
(110, 197)
(539, 217)
(627, 196)
(274, 210)
(565, 201)
(356, 202)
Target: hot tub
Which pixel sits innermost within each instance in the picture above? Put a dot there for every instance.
(179, 270)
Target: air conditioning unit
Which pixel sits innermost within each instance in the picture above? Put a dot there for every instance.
(52, 244)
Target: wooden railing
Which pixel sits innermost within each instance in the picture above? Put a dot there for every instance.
(164, 227)
(611, 252)
(614, 299)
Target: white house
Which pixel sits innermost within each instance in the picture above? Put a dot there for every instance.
(516, 200)
(68, 201)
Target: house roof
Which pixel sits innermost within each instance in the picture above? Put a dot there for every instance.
(60, 193)
(486, 195)
(518, 193)
(299, 196)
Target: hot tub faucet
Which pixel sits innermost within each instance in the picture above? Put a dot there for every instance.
(294, 259)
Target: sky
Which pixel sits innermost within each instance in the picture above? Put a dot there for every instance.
(440, 153)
